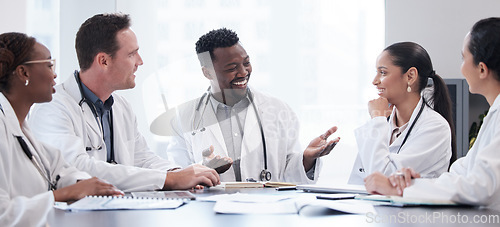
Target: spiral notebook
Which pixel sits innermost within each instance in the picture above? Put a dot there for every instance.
(138, 201)
(123, 203)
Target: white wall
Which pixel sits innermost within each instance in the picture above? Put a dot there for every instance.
(13, 16)
(438, 25)
(72, 14)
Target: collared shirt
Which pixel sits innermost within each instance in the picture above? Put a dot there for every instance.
(232, 123)
(104, 114)
(396, 131)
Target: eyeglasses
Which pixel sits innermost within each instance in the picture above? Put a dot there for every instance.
(52, 67)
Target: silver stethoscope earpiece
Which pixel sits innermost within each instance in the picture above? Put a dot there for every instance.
(265, 175)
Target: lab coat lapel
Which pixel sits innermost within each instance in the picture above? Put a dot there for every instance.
(252, 146)
(12, 121)
(251, 132)
(214, 129)
(71, 86)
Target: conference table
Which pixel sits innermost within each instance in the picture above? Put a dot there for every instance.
(201, 213)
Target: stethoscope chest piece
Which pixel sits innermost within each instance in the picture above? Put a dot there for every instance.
(265, 175)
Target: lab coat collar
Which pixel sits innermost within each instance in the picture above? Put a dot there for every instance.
(496, 105)
(71, 87)
(10, 115)
(13, 124)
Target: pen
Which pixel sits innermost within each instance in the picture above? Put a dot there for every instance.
(392, 162)
(283, 188)
(337, 196)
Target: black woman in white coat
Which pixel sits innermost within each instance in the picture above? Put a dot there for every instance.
(32, 175)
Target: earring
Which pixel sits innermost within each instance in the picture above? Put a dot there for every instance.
(408, 89)
(27, 82)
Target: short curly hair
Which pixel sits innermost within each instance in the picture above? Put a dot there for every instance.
(218, 38)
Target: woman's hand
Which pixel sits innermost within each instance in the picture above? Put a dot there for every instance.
(92, 186)
(379, 108)
(377, 183)
(402, 178)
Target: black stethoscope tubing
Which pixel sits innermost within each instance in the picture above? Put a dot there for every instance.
(264, 174)
(24, 146)
(92, 107)
(407, 134)
(413, 124)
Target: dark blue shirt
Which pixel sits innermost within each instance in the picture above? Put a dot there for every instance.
(104, 114)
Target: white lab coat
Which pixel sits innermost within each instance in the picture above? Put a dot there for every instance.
(427, 149)
(281, 130)
(473, 179)
(24, 196)
(62, 123)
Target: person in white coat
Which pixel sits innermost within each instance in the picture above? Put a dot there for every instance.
(258, 132)
(419, 132)
(473, 179)
(32, 175)
(95, 128)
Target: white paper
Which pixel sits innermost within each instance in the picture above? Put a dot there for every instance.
(281, 207)
(351, 206)
(245, 198)
(240, 203)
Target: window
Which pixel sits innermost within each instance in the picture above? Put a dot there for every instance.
(316, 55)
(43, 23)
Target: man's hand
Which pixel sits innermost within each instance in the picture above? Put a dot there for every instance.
(220, 164)
(377, 183)
(319, 147)
(191, 177)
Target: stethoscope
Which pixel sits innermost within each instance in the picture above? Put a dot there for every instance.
(26, 150)
(92, 108)
(265, 175)
(24, 146)
(413, 124)
(407, 134)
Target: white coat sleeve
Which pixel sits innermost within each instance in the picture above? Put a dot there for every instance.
(24, 211)
(52, 123)
(67, 174)
(427, 149)
(478, 186)
(143, 156)
(179, 151)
